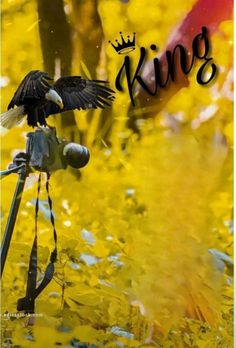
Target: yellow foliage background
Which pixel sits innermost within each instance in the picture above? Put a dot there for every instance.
(135, 229)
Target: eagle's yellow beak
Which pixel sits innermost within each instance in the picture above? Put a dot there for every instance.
(59, 102)
(53, 96)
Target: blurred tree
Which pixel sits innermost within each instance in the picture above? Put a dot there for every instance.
(55, 36)
(81, 42)
(88, 33)
(88, 40)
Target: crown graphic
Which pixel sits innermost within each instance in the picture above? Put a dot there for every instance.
(125, 46)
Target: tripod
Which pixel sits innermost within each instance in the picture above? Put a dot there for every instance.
(44, 153)
(22, 170)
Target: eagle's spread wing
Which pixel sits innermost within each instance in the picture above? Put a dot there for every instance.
(34, 86)
(79, 93)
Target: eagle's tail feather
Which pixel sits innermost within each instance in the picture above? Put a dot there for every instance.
(12, 117)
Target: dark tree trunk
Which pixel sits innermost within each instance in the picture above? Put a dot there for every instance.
(55, 36)
(57, 40)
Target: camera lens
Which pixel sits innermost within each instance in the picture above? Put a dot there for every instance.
(77, 156)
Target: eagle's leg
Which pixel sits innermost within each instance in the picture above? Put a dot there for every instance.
(32, 119)
(42, 120)
(48, 125)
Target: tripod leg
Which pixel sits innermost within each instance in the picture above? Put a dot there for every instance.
(12, 217)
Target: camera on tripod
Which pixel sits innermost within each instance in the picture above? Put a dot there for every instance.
(45, 152)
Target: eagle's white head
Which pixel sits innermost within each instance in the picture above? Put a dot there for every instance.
(54, 97)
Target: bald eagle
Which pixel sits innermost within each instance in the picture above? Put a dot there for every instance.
(38, 97)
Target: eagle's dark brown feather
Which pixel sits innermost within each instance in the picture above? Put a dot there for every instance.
(79, 93)
(34, 86)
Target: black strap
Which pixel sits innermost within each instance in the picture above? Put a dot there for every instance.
(51, 213)
(27, 303)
